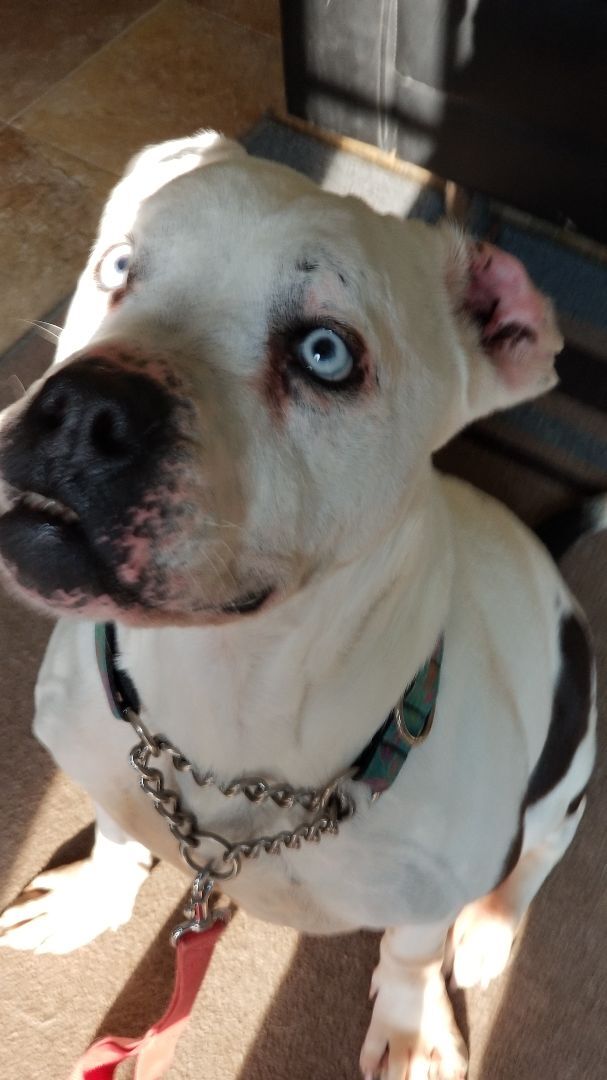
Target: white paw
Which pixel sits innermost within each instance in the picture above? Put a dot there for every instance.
(435, 1051)
(62, 909)
(482, 942)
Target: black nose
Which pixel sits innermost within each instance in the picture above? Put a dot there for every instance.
(98, 415)
(93, 426)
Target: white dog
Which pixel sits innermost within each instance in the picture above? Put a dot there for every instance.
(231, 458)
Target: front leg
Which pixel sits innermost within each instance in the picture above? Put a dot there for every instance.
(412, 1034)
(64, 908)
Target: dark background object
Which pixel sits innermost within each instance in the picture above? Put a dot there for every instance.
(504, 96)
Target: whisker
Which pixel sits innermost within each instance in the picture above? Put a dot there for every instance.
(209, 560)
(46, 330)
(15, 384)
(49, 330)
(223, 563)
(231, 553)
(224, 525)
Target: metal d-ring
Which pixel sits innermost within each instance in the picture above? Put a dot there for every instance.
(408, 736)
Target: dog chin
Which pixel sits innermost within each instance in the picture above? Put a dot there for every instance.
(60, 602)
(136, 611)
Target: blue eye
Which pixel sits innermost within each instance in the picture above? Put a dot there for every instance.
(113, 269)
(325, 355)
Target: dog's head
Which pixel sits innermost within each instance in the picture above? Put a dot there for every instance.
(252, 378)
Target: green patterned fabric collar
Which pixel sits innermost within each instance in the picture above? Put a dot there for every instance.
(407, 726)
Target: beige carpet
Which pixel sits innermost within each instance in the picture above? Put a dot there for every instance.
(276, 1006)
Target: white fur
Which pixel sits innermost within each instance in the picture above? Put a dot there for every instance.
(374, 555)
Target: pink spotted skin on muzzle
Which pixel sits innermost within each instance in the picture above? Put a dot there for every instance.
(147, 550)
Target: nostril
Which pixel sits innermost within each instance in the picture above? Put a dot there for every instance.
(96, 412)
(109, 433)
(51, 411)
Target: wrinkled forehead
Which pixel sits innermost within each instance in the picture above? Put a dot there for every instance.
(255, 223)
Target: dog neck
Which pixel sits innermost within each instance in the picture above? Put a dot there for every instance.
(299, 690)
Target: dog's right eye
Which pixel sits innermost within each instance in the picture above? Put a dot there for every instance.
(327, 357)
(113, 269)
(323, 353)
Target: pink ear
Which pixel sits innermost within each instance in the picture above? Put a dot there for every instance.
(518, 328)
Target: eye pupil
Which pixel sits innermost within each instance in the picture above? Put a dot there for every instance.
(121, 263)
(324, 349)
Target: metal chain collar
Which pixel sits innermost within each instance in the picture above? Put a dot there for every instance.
(331, 805)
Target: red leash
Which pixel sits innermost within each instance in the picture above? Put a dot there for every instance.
(155, 1049)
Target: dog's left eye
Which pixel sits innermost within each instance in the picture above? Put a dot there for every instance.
(113, 269)
(325, 355)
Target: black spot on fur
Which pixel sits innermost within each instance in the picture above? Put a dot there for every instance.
(568, 726)
(570, 710)
(561, 530)
(574, 804)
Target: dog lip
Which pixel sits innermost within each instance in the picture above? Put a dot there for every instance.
(46, 553)
(53, 508)
(247, 604)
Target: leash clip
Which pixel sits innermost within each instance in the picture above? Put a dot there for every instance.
(201, 913)
(200, 923)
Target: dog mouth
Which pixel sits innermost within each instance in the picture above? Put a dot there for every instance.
(47, 551)
(247, 604)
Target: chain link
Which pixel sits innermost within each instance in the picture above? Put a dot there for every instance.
(331, 805)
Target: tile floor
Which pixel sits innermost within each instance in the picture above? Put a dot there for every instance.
(83, 86)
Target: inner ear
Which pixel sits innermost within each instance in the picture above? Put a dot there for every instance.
(518, 331)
